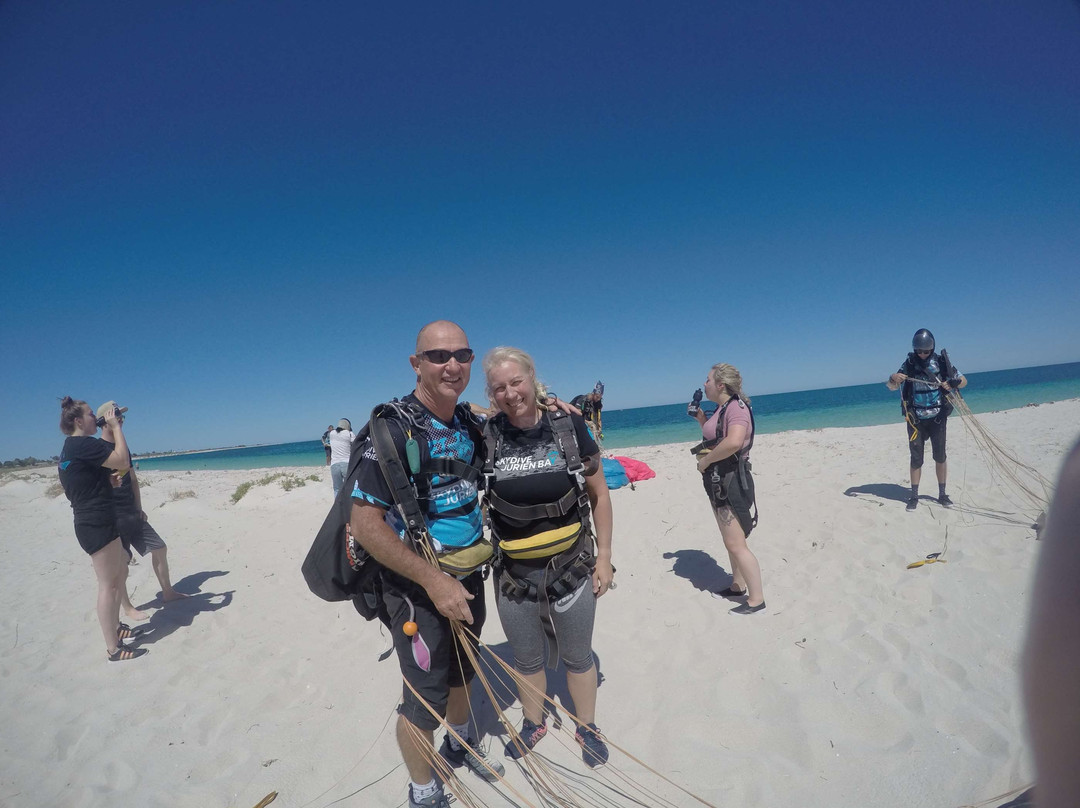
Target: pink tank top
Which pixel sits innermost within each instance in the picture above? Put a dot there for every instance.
(736, 413)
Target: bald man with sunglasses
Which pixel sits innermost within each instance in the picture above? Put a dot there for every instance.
(416, 591)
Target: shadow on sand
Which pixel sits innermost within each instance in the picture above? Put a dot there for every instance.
(700, 569)
(181, 613)
(897, 493)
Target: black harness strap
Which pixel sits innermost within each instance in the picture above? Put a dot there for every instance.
(566, 441)
(394, 472)
(572, 565)
(450, 467)
(709, 445)
(408, 493)
(549, 510)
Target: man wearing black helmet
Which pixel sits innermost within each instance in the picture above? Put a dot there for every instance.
(926, 376)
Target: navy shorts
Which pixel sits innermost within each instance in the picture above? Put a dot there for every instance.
(449, 666)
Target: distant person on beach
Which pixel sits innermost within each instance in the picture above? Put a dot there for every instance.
(590, 405)
(326, 442)
(340, 439)
(1052, 649)
(135, 531)
(85, 466)
(597, 408)
(924, 376)
(415, 590)
(549, 574)
(724, 463)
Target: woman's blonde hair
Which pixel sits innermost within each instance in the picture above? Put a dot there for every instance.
(729, 377)
(504, 353)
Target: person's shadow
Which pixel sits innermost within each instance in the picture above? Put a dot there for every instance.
(700, 569)
(181, 613)
(897, 493)
(188, 585)
(506, 692)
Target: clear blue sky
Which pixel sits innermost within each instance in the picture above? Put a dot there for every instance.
(233, 217)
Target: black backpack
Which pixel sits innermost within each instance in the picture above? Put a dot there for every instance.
(337, 567)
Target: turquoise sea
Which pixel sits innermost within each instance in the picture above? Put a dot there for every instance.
(861, 405)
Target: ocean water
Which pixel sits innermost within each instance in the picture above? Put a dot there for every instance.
(861, 405)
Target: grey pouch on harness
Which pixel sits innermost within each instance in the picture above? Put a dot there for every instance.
(717, 479)
(732, 486)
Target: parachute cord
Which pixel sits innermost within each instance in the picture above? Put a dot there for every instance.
(994, 800)
(522, 683)
(1012, 473)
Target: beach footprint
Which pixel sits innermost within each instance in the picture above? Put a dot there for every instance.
(907, 695)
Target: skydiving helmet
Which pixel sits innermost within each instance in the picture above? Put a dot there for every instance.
(923, 340)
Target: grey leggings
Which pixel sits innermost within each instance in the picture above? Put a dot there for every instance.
(572, 616)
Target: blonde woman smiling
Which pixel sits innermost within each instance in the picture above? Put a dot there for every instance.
(542, 468)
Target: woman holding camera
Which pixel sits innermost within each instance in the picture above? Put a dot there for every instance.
(723, 462)
(86, 463)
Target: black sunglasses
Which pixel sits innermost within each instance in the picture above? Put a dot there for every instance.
(440, 356)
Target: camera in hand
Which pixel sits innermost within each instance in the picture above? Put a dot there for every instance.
(101, 420)
(695, 404)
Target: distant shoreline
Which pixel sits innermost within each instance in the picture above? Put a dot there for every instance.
(148, 455)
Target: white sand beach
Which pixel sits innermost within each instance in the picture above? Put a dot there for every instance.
(862, 684)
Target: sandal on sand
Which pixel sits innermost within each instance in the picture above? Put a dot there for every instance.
(126, 632)
(125, 652)
(730, 593)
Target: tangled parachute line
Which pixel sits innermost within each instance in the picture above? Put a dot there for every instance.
(1025, 482)
(553, 785)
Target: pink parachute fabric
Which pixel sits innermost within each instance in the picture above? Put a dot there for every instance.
(636, 471)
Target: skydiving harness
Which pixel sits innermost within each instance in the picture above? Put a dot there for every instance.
(737, 464)
(337, 567)
(570, 548)
(907, 392)
(412, 492)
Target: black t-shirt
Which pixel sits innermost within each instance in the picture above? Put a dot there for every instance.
(530, 470)
(86, 481)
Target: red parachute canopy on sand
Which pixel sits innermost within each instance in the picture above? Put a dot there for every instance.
(636, 471)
